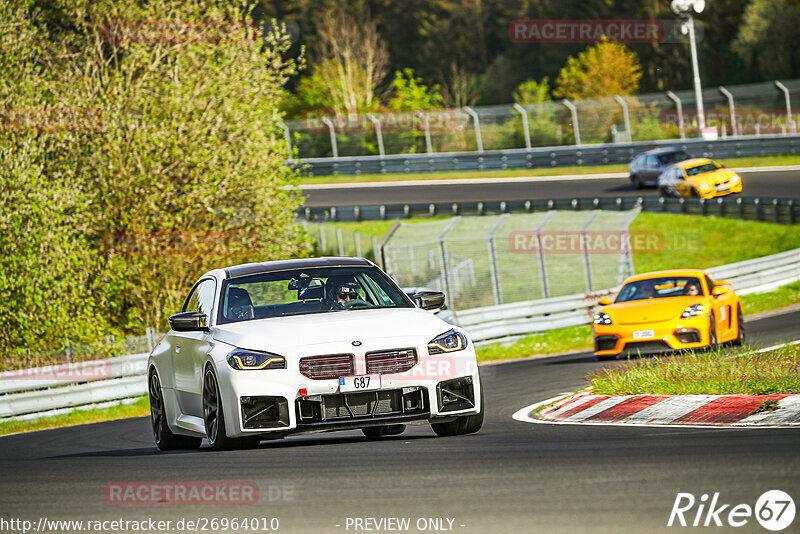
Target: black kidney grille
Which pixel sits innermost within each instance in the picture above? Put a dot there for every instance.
(391, 361)
(327, 367)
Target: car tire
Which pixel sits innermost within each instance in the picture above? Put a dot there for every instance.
(214, 417)
(606, 357)
(383, 430)
(740, 330)
(712, 332)
(468, 424)
(162, 435)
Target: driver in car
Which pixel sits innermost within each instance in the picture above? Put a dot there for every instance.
(341, 292)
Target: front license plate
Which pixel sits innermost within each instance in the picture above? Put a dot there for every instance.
(349, 384)
(643, 334)
(723, 187)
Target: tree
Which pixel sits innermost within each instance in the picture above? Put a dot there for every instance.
(410, 93)
(106, 227)
(768, 36)
(604, 69)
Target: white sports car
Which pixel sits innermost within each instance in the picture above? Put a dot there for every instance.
(264, 350)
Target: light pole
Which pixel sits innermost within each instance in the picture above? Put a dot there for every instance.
(684, 8)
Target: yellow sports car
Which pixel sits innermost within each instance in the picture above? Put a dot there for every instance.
(665, 311)
(699, 177)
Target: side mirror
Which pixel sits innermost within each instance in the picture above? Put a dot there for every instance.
(429, 300)
(719, 291)
(605, 301)
(189, 322)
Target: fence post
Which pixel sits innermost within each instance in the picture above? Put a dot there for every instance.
(375, 249)
(476, 121)
(731, 109)
(443, 253)
(332, 131)
(498, 297)
(679, 105)
(358, 244)
(574, 112)
(378, 132)
(787, 96)
(68, 350)
(150, 332)
(322, 241)
(525, 129)
(625, 117)
(340, 241)
(586, 263)
(380, 250)
(540, 255)
(427, 126)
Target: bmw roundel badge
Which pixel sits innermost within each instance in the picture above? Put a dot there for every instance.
(356, 343)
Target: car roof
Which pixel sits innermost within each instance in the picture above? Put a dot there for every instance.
(662, 150)
(248, 269)
(660, 274)
(692, 162)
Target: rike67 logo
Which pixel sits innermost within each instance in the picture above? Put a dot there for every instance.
(774, 510)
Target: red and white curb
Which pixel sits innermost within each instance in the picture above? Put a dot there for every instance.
(584, 407)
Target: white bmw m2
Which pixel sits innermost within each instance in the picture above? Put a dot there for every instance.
(264, 350)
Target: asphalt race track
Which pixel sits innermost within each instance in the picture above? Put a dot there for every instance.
(765, 184)
(510, 477)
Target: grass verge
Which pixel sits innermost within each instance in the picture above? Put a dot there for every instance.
(781, 297)
(139, 408)
(718, 372)
(550, 342)
(765, 161)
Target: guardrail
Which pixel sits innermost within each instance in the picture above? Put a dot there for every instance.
(555, 156)
(28, 393)
(41, 390)
(777, 210)
(508, 321)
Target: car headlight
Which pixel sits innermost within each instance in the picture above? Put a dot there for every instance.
(241, 360)
(602, 318)
(735, 178)
(450, 341)
(692, 311)
(704, 187)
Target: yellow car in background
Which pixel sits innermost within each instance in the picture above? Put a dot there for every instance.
(666, 311)
(699, 177)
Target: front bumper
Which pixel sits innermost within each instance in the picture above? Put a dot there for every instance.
(283, 401)
(681, 334)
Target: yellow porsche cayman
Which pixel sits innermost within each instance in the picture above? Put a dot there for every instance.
(665, 311)
(699, 177)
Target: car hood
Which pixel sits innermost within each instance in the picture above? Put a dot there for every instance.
(649, 311)
(716, 177)
(334, 328)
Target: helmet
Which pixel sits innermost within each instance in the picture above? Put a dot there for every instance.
(339, 285)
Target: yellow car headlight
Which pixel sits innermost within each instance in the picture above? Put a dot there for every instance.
(704, 187)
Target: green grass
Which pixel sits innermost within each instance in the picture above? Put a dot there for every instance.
(694, 241)
(719, 372)
(781, 297)
(139, 408)
(560, 340)
(766, 161)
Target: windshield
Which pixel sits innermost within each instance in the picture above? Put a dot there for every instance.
(701, 169)
(656, 288)
(307, 291)
(672, 157)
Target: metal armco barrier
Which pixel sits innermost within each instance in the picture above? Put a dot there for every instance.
(35, 391)
(509, 321)
(551, 157)
(776, 210)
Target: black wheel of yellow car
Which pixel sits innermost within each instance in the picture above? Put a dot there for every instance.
(740, 331)
(383, 430)
(712, 332)
(163, 436)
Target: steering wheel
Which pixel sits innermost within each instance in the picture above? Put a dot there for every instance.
(354, 304)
